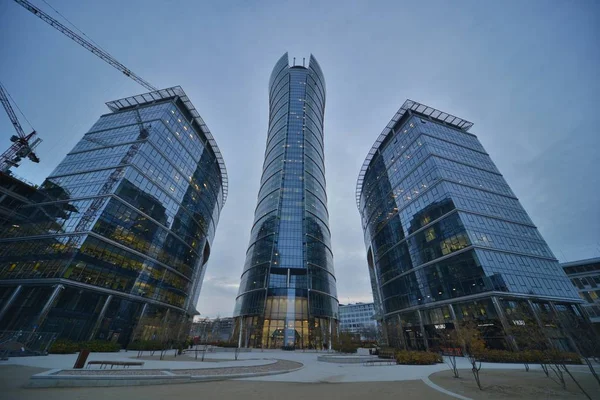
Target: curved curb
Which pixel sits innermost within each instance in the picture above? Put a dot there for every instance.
(432, 385)
(49, 379)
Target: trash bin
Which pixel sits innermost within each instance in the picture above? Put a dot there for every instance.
(81, 359)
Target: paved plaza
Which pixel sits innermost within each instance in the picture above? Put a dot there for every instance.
(314, 379)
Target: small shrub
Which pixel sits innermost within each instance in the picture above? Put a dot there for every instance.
(526, 356)
(288, 348)
(417, 358)
(63, 346)
(100, 346)
(229, 345)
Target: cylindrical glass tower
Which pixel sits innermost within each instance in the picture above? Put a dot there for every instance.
(287, 295)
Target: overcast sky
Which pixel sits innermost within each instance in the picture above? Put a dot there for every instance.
(526, 73)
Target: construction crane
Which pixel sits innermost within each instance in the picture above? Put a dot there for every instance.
(23, 145)
(104, 55)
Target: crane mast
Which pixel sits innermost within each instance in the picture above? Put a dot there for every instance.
(23, 145)
(84, 43)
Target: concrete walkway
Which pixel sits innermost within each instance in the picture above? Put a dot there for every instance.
(66, 361)
(313, 370)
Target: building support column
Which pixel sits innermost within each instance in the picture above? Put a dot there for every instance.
(10, 301)
(240, 335)
(47, 307)
(456, 327)
(505, 326)
(536, 316)
(538, 320)
(100, 317)
(401, 333)
(167, 326)
(564, 330)
(182, 323)
(453, 316)
(423, 333)
(330, 334)
(585, 316)
(136, 329)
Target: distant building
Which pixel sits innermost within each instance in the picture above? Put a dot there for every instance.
(117, 249)
(448, 241)
(585, 276)
(213, 330)
(358, 318)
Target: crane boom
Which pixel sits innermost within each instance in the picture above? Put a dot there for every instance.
(22, 145)
(11, 112)
(84, 43)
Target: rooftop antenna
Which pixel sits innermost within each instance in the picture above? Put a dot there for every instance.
(294, 62)
(303, 58)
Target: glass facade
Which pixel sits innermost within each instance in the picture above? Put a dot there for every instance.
(585, 277)
(358, 318)
(287, 295)
(445, 235)
(116, 242)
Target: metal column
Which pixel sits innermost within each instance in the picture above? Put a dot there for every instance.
(330, 334)
(100, 317)
(505, 327)
(49, 304)
(535, 314)
(456, 327)
(240, 335)
(453, 316)
(563, 329)
(423, 333)
(538, 320)
(11, 300)
(401, 333)
(135, 330)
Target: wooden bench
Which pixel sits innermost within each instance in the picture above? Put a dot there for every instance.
(112, 364)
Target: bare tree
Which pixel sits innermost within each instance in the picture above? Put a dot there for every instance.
(469, 336)
(451, 344)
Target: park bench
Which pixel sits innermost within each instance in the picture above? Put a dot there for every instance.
(387, 353)
(380, 361)
(112, 364)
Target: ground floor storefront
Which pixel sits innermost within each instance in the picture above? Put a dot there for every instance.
(504, 323)
(80, 314)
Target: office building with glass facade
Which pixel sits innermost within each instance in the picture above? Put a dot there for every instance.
(358, 318)
(585, 276)
(287, 296)
(447, 240)
(116, 242)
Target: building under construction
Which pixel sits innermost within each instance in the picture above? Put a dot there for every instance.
(116, 247)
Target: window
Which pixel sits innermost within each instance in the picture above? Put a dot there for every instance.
(430, 234)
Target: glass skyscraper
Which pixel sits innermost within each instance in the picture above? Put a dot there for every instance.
(117, 240)
(448, 241)
(287, 296)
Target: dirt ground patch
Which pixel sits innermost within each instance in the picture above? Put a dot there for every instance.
(514, 384)
(12, 379)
